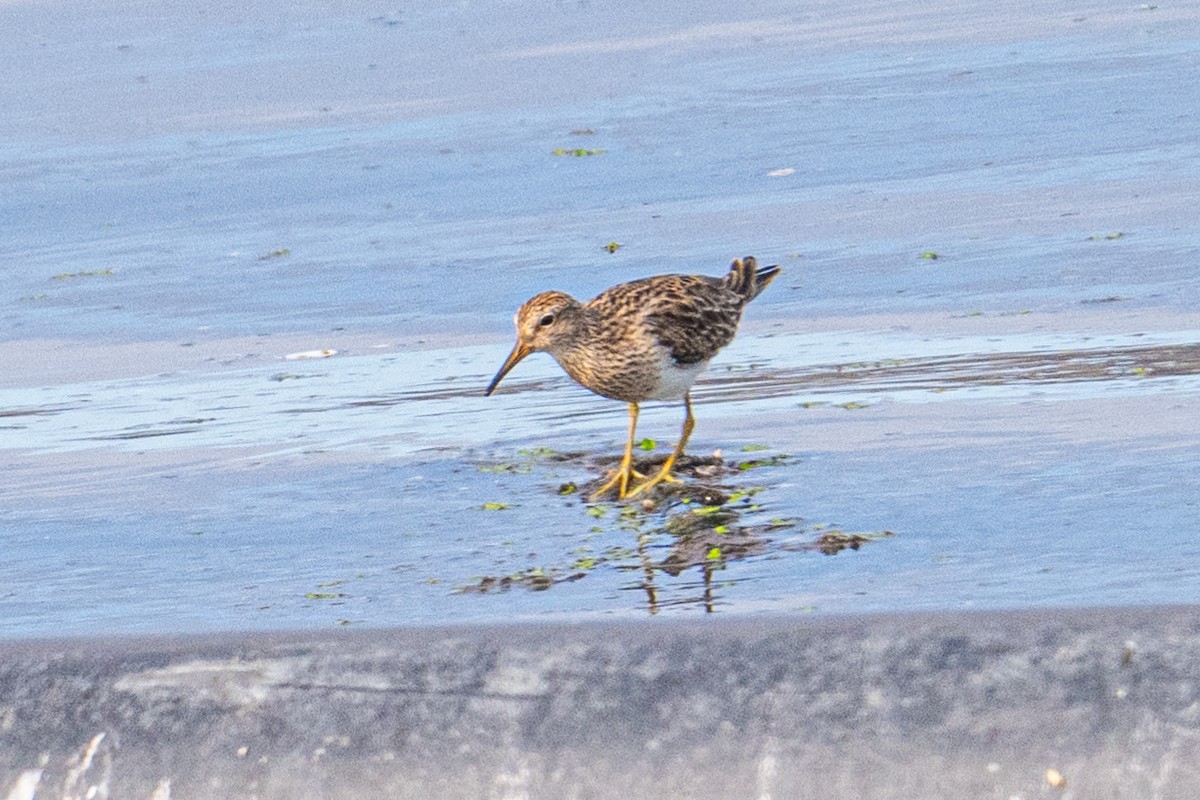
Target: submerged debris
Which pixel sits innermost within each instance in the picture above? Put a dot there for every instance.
(535, 579)
(307, 354)
(578, 152)
(87, 273)
(695, 522)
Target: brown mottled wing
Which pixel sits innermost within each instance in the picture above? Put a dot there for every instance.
(693, 316)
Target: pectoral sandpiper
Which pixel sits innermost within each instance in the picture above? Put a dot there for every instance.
(643, 340)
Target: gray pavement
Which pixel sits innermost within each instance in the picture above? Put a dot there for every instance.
(1087, 704)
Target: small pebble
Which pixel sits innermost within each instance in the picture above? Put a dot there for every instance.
(1056, 779)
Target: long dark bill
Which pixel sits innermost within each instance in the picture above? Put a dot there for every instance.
(520, 351)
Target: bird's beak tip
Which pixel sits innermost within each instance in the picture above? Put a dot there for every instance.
(518, 352)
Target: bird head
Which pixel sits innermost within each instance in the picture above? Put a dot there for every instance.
(542, 323)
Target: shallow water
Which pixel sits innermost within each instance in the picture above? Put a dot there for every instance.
(1017, 412)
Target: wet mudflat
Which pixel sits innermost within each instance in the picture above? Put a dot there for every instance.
(246, 329)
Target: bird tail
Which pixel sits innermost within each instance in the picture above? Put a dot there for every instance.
(747, 279)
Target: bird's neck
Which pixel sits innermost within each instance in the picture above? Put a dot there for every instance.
(571, 349)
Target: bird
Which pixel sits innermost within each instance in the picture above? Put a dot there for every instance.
(647, 339)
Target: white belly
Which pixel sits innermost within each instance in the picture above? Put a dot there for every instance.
(676, 379)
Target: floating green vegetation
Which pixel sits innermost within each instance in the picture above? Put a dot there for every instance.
(86, 273)
(506, 467)
(529, 456)
(698, 522)
(756, 463)
(930, 255)
(577, 152)
(834, 541)
(1106, 237)
(325, 591)
(693, 523)
(280, 253)
(742, 494)
(534, 578)
(686, 526)
(618, 553)
(612, 247)
(705, 511)
(536, 452)
(853, 405)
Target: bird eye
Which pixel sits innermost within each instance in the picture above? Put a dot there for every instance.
(546, 321)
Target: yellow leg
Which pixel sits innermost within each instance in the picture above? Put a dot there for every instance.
(621, 476)
(664, 475)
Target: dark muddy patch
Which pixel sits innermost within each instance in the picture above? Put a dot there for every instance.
(943, 373)
(33, 411)
(708, 522)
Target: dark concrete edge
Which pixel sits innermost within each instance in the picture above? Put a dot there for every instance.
(1103, 701)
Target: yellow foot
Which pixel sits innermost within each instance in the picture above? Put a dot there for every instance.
(620, 480)
(664, 476)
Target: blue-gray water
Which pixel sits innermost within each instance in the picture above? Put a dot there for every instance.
(186, 204)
